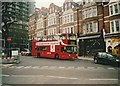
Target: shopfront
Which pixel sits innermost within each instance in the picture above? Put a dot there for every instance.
(113, 43)
(90, 44)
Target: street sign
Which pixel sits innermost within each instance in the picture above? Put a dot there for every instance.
(9, 39)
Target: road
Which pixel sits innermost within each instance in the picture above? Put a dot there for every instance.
(33, 70)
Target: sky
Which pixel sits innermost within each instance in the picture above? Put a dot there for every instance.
(46, 3)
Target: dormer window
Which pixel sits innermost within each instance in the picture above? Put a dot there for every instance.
(67, 6)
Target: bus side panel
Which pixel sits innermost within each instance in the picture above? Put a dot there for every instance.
(61, 54)
(34, 51)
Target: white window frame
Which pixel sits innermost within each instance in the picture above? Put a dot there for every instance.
(114, 26)
(113, 8)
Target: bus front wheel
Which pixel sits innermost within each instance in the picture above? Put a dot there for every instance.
(56, 56)
(38, 55)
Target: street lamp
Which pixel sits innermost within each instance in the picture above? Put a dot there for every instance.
(102, 3)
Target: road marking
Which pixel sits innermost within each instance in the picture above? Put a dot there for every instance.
(52, 67)
(71, 67)
(5, 75)
(103, 79)
(23, 75)
(35, 67)
(6, 65)
(80, 68)
(91, 67)
(20, 67)
(44, 67)
(61, 67)
(111, 68)
(27, 67)
(12, 67)
(62, 77)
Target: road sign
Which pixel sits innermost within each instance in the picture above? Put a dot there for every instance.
(9, 39)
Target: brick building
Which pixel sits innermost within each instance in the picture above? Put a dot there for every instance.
(97, 24)
(33, 24)
(112, 38)
(69, 17)
(93, 27)
(41, 22)
(52, 20)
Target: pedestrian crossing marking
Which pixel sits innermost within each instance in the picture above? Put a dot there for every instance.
(61, 67)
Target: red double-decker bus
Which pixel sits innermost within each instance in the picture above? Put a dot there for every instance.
(62, 46)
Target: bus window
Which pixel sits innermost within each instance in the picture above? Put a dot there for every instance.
(72, 49)
(42, 48)
(55, 37)
(63, 49)
(44, 38)
(49, 37)
(71, 36)
(63, 36)
(69, 49)
(40, 38)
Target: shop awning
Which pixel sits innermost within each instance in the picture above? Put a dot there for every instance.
(89, 37)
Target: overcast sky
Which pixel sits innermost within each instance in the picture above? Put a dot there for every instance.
(46, 3)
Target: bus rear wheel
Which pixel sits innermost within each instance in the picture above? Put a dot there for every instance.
(56, 56)
(38, 55)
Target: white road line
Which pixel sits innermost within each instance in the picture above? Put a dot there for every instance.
(80, 68)
(71, 67)
(44, 67)
(20, 67)
(23, 75)
(52, 67)
(91, 67)
(5, 75)
(6, 65)
(12, 67)
(111, 68)
(36, 67)
(100, 68)
(103, 79)
(62, 77)
(26, 67)
(61, 67)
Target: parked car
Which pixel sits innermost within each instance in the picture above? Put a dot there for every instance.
(25, 52)
(107, 58)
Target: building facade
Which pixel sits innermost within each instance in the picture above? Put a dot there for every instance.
(15, 17)
(96, 24)
(41, 23)
(33, 24)
(69, 17)
(52, 20)
(113, 36)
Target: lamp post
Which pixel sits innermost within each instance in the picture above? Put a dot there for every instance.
(102, 3)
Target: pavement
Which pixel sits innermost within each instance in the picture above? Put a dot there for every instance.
(90, 58)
